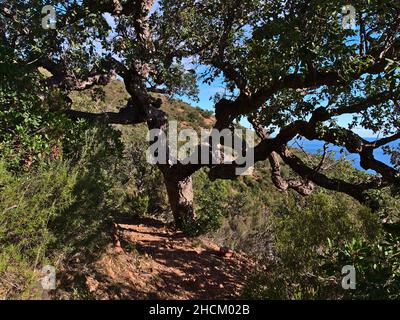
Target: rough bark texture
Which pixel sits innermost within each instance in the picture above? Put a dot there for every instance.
(180, 195)
(304, 187)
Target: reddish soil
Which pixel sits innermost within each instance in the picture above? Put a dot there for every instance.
(150, 261)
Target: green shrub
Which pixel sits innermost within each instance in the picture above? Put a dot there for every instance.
(377, 266)
(210, 200)
(54, 211)
(300, 232)
(28, 203)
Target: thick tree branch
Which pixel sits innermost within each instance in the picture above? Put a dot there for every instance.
(304, 188)
(62, 77)
(356, 191)
(128, 115)
(384, 141)
(354, 144)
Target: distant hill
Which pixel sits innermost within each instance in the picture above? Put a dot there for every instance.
(114, 96)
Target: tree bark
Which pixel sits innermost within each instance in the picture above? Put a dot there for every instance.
(180, 196)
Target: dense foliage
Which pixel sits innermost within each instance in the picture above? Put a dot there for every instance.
(69, 166)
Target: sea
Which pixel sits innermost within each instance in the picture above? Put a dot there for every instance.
(316, 147)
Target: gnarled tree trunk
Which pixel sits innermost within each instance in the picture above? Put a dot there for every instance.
(180, 195)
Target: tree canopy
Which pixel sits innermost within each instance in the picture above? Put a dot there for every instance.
(288, 66)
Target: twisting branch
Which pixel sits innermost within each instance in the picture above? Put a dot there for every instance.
(127, 115)
(354, 144)
(356, 191)
(381, 142)
(63, 77)
(305, 187)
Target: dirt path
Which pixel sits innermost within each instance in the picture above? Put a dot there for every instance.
(153, 262)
